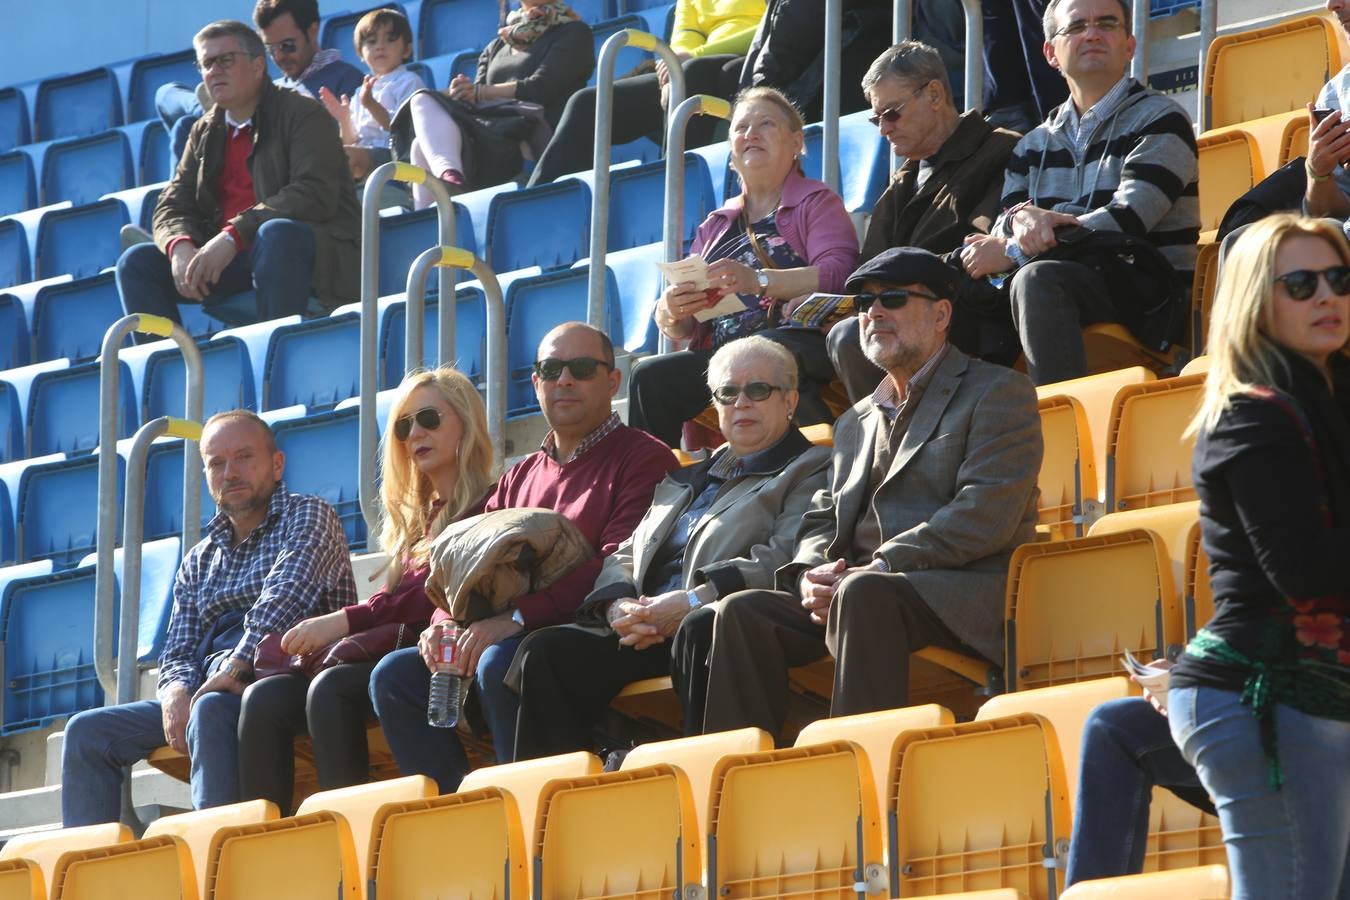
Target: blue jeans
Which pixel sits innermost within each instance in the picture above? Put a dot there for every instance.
(1291, 842)
(178, 109)
(1127, 749)
(101, 743)
(400, 687)
(277, 266)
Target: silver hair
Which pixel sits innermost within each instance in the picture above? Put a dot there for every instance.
(780, 359)
(249, 42)
(912, 62)
(1048, 21)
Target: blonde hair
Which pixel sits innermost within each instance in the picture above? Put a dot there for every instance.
(407, 525)
(1241, 351)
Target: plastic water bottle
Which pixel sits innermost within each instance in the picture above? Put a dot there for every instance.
(447, 686)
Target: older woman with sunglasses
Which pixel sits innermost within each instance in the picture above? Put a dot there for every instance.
(714, 528)
(1259, 702)
(436, 468)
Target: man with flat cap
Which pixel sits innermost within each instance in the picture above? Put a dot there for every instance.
(932, 485)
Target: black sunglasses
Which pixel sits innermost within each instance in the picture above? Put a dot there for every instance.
(286, 47)
(892, 299)
(1302, 283)
(728, 394)
(428, 418)
(893, 114)
(582, 367)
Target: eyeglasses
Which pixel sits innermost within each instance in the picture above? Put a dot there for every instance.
(728, 394)
(223, 61)
(892, 299)
(582, 367)
(892, 115)
(427, 417)
(1104, 24)
(1302, 283)
(282, 48)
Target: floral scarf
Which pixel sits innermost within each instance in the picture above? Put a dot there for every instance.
(525, 23)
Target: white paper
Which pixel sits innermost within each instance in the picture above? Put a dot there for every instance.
(731, 303)
(693, 269)
(1152, 677)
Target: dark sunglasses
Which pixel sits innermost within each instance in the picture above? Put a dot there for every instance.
(1302, 283)
(728, 394)
(893, 114)
(892, 299)
(582, 367)
(286, 47)
(428, 418)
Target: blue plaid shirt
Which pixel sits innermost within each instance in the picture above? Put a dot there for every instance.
(292, 566)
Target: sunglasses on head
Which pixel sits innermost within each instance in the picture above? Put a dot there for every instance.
(1302, 283)
(428, 418)
(728, 394)
(582, 367)
(892, 299)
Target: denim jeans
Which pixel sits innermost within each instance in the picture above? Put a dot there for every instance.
(100, 743)
(1127, 749)
(1291, 842)
(278, 266)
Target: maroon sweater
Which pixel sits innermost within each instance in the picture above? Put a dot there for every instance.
(605, 492)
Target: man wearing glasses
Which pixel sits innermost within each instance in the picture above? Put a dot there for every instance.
(948, 187)
(933, 484)
(1115, 157)
(591, 468)
(261, 199)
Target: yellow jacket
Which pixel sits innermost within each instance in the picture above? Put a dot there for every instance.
(706, 27)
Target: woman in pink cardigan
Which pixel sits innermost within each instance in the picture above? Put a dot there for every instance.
(784, 237)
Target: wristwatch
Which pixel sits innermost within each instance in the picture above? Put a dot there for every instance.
(517, 618)
(694, 601)
(237, 672)
(762, 276)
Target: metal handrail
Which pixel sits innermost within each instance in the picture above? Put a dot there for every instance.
(604, 115)
(672, 232)
(1139, 24)
(367, 439)
(133, 522)
(829, 144)
(1209, 29)
(108, 416)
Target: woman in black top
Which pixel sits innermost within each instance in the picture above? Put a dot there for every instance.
(1260, 701)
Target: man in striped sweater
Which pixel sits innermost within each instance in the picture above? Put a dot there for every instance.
(1116, 156)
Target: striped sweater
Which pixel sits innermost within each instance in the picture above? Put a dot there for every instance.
(1139, 174)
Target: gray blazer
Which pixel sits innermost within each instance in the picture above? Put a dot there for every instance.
(959, 496)
(748, 533)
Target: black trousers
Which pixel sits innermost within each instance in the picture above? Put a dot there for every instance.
(637, 112)
(332, 709)
(570, 676)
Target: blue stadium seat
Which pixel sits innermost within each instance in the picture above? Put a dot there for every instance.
(149, 73)
(14, 124)
(139, 202)
(25, 239)
(321, 459)
(17, 186)
(637, 286)
(864, 160)
(82, 170)
(628, 6)
(405, 236)
(477, 204)
(470, 329)
(151, 155)
(637, 202)
(228, 381)
(658, 19)
(10, 573)
(14, 255)
(592, 11)
(336, 32)
(70, 318)
(629, 57)
(16, 386)
(546, 226)
(7, 535)
(314, 363)
(80, 241)
(423, 71)
(15, 349)
(715, 159)
(63, 409)
(164, 491)
(642, 151)
(159, 568)
(56, 509)
(75, 105)
(448, 26)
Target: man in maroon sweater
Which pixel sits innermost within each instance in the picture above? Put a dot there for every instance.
(591, 468)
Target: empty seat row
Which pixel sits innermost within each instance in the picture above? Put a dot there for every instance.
(84, 169)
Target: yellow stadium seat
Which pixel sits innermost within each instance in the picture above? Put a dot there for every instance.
(299, 858)
(1181, 836)
(1229, 166)
(159, 867)
(978, 806)
(1199, 603)
(876, 733)
(1148, 461)
(358, 805)
(798, 822)
(45, 847)
(1068, 478)
(1202, 298)
(1109, 347)
(21, 879)
(1066, 707)
(468, 845)
(1263, 71)
(524, 779)
(685, 459)
(1073, 607)
(996, 894)
(1199, 883)
(1095, 393)
(1175, 523)
(821, 435)
(1294, 141)
(196, 828)
(1197, 366)
(649, 812)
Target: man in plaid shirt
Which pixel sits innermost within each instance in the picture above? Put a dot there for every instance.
(269, 559)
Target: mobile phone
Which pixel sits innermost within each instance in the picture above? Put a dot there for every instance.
(1319, 114)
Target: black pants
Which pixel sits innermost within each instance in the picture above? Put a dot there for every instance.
(569, 677)
(668, 390)
(332, 709)
(637, 112)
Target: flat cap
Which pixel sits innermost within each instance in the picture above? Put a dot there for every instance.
(906, 265)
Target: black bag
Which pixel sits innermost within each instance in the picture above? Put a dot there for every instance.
(492, 135)
(1280, 191)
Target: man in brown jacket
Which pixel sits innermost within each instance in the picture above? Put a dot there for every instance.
(949, 186)
(261, 199)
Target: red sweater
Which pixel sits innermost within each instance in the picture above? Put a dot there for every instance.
(605, 492)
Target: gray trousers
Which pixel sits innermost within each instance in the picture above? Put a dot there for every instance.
(1052, 301)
